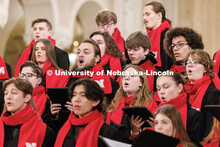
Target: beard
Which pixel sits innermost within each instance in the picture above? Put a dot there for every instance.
(88, 66)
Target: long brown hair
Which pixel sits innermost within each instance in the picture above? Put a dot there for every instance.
(111, 47)
(178, 128)
(49, 52)
(142, 95)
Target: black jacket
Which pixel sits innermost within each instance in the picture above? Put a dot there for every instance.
(12, 136)
(105, 131)
(211, 97)
(194, 126)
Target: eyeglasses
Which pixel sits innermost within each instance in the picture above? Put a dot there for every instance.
(191, 63)
(108, 25)
(179, 45)
(27, 75)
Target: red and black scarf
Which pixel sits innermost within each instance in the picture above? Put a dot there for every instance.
(26, 55)
(89, 136)
(40, 99)
(155, 36)
(180, 102)
(32, 130)
(3, 69)
(114, 63)
(119, 40)
(197, 91)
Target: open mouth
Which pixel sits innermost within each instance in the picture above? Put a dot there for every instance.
(163, 99)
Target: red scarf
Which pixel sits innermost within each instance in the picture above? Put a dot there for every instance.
(149, 68)
(33, 130)
(114, 63)
(217, 62)
(3, 69)
(178, 68)
(197, 91)
(155, 36)
(180, 103)
(119, 40)
(26, 55)
(40, 99)
(53, 76)
(89, 136)
(116, 115)
(102, 79)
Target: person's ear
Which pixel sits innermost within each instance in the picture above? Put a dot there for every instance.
(27, 98)
(50, 32)
(39, 80)
(159, 14)
(146, 52)
(180, 88)
(97, 58)
(95, 103)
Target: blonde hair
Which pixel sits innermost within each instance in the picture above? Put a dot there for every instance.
(142, 95)
(209, 138)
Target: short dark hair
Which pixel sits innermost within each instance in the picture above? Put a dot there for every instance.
(138, 39)
(92, 91)
(39, 20)
(95, 47)
(36, 69)
(105, 16)
(193, 38)
(159, 8)
(22, 84)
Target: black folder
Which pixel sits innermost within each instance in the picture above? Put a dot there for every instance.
(139, 111)
(214, 110)
(58, 95)
(149, 138)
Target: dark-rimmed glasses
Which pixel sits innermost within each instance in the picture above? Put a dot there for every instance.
(178, 45)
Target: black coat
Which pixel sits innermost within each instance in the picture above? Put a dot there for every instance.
(211, 97)
(105, 131)
(12, 136)
(195, 125)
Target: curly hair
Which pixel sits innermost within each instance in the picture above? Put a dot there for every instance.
(193, 38)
